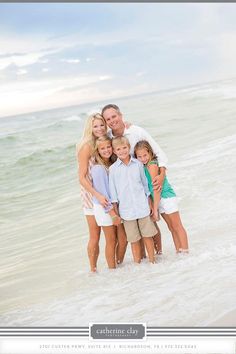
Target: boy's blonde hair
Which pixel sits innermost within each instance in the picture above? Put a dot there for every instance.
(98, 159)
(120, 140)
(88, 136)
(144, 144)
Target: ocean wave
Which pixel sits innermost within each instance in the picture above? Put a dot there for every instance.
(42, 126)
(216, 149)
(213, 90)
(72, 119)
(9, 138)
(38, 156)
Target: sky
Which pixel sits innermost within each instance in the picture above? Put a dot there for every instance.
(61, 54)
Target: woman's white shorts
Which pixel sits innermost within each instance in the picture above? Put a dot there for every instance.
(168, 205)
(102, 218)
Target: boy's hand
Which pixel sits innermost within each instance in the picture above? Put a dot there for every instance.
(116, 220)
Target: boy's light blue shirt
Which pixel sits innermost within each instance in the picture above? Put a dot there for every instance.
(129, 188)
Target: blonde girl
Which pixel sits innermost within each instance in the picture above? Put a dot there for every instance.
(106, 217)
(165, 201)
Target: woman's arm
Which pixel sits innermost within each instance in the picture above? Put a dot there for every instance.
(83, 157)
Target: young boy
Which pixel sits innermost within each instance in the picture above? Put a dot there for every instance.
(130, 195)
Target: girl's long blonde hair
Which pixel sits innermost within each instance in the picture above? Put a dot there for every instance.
(88, 136)
(98, 159)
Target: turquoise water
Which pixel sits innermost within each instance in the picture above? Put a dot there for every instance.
(43, 262)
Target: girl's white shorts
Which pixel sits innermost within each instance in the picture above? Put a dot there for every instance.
(168, 205)
(102, 218)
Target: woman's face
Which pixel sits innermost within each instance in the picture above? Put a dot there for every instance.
(105, 149)
(98, 128)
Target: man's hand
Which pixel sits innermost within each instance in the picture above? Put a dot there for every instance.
(127, 125)
(157, 182)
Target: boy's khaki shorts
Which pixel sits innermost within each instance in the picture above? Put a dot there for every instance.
(135, 229)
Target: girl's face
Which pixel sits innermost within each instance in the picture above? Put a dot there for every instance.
(105, 149)
(143, 155)
(98, 128)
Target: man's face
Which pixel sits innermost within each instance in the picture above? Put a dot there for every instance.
(113, 118)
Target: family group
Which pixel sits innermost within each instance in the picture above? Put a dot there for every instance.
(124, 190)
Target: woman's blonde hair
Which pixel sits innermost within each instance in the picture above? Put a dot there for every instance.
(88, 136)
(98, 159)
(144, 144)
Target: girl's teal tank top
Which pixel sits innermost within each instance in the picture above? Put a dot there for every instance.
(167, 191)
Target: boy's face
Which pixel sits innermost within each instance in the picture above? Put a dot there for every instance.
(122, 151)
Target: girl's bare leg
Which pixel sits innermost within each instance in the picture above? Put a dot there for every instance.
(149, 244)
(157, 241)
(136, 251)
(93, 244)
(121, 244)
(110, 249)
(178, 232)
(173, 233)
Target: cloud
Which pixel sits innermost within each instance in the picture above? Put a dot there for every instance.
(22, 72)
(28, 95)
(71, 61)
(104, 77)
(20, 60)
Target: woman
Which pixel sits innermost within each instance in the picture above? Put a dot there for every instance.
(95, 127)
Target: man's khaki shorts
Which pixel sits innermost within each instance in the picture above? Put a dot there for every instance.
(135, 229)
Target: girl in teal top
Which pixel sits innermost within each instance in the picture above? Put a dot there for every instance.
(165, 200)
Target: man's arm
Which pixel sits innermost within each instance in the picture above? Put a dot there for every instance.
(162, 158)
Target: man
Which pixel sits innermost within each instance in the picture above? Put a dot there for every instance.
(114, 119)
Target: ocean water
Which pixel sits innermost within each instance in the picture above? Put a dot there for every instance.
(44, 278)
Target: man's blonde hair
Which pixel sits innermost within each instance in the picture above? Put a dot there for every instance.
(120, 140)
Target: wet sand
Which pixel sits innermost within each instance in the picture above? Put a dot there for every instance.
(227, 320)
